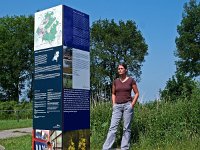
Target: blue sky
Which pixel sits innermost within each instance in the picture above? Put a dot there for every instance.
(156, 19)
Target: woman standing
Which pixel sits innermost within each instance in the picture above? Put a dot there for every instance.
(123, 105)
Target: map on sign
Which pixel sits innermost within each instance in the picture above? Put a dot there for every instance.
(48, 28)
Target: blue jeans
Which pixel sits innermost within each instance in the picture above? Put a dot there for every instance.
(126, 110)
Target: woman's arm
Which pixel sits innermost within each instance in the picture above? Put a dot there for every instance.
(113, 94)
(135, 90)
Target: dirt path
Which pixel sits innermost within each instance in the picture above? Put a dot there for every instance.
(15, 132)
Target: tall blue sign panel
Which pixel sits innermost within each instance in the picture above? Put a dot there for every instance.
(76, 36)
(61, 107)
(47, 91)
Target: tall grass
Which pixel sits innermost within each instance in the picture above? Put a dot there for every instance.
(100, 120)
(159, 124)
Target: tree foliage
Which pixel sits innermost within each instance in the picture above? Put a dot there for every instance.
(179, 87)
(16, 54)
(188, 41)
(112, 43)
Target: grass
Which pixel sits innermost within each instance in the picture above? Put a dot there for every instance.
(156, 126)
(24, 143)
(13, 124)
(17, 143)
(184, 144)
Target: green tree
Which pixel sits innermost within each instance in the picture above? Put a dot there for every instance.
(179, 87)
(188, 41)
(16, 54)
(112, 43)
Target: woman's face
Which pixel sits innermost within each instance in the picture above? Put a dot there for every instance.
(121, 70)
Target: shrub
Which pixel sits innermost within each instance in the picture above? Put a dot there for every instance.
(14, 110)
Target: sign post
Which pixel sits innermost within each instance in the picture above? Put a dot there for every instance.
(61, 106)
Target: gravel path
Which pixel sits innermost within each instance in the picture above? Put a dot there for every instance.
(15, 132)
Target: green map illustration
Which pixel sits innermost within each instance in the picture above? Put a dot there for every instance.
(48, 27)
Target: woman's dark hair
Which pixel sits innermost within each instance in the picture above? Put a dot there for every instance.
(124, 65)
